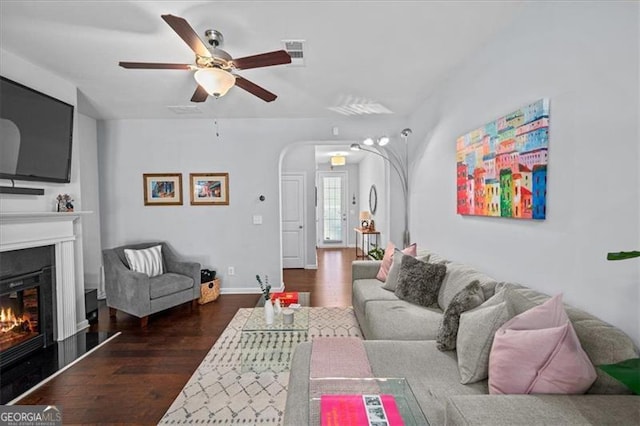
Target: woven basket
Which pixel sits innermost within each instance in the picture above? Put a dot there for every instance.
(209, 291)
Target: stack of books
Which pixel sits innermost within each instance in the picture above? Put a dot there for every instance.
(286, 298)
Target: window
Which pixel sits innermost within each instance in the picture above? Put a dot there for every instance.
(332, 208)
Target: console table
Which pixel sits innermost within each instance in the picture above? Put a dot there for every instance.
(361, 233)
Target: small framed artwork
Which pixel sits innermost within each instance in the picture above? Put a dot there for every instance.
(162, 189)
(209, 189)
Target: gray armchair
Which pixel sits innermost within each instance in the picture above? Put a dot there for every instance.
(137, 294)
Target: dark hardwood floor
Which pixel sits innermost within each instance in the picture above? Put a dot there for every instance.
(134, 378)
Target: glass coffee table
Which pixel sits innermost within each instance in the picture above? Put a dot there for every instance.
(340, 394)
(269, 347)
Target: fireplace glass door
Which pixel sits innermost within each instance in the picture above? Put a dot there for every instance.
(19, 317)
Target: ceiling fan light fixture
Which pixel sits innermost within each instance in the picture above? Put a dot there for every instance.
(383, 141)
(215, 81)
(355, 147)
(368, 141)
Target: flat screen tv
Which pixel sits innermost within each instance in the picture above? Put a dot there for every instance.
(36, 133)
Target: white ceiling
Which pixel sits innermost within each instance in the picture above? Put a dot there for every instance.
(392, 52)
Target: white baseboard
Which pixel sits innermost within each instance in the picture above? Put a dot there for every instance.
(311, 267)
(82, 325)
(249, 290)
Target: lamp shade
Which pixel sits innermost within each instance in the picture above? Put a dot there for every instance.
(215, 81)
(338, 160)
(365, 215)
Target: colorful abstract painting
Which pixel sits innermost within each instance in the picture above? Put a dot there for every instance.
(502, 167)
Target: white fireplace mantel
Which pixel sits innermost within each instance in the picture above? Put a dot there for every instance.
(20, 230)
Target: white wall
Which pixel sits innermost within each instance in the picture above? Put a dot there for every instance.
(92, 249)
(374, 171)
(353, 206)
(216, 236)
(585, 59)
(301, 159)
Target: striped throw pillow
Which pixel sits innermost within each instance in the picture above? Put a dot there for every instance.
(147, 261)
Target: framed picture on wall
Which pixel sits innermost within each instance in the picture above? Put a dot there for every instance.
(209, 189)
(162, 189)
(502, 166)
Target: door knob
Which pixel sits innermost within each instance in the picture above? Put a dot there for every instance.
(300, 226)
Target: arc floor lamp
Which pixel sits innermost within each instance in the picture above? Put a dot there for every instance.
(400, 163)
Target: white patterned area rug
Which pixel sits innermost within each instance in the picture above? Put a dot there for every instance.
(221, 392)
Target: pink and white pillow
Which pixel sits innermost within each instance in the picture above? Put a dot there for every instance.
(538, 351)
(412, 250)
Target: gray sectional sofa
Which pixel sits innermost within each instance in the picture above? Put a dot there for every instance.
(400, 342)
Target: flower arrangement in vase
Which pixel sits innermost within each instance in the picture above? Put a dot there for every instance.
(264, 286)
(268, 307)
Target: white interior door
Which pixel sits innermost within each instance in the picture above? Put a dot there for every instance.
(332, 209)
(293, 195)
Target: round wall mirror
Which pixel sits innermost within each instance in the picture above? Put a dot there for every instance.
(373, 199)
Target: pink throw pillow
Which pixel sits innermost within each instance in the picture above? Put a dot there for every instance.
(387, 259)
(538, 351)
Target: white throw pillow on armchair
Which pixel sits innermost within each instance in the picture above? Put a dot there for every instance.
(147, 261)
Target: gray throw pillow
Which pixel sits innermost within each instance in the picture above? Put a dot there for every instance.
(468, 298)
(392, 276)
(475, 337)
(459, 275)
(419, 282)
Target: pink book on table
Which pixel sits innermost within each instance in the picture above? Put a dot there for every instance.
(350, 410)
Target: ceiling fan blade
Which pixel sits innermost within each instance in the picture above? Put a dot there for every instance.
(186, 33)
(200, 95)
(268, 59)
(254, 89)
(154, 66)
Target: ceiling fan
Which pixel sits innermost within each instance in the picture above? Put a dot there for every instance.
(214, 68)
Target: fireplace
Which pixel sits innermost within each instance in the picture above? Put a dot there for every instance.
(58, 234)
(26, 302)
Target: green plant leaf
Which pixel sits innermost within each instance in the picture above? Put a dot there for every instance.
(622, 255)
(376, 253)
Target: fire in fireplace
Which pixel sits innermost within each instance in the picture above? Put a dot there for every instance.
(19, 312)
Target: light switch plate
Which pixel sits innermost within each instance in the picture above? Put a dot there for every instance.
(257, 219)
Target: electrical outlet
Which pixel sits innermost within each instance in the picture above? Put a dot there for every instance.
(231, 270)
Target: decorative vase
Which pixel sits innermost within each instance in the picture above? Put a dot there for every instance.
(277, 308)
(268, 312)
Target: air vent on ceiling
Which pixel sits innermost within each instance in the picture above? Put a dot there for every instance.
(184, 109)
(359, 106)
(295, 49)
